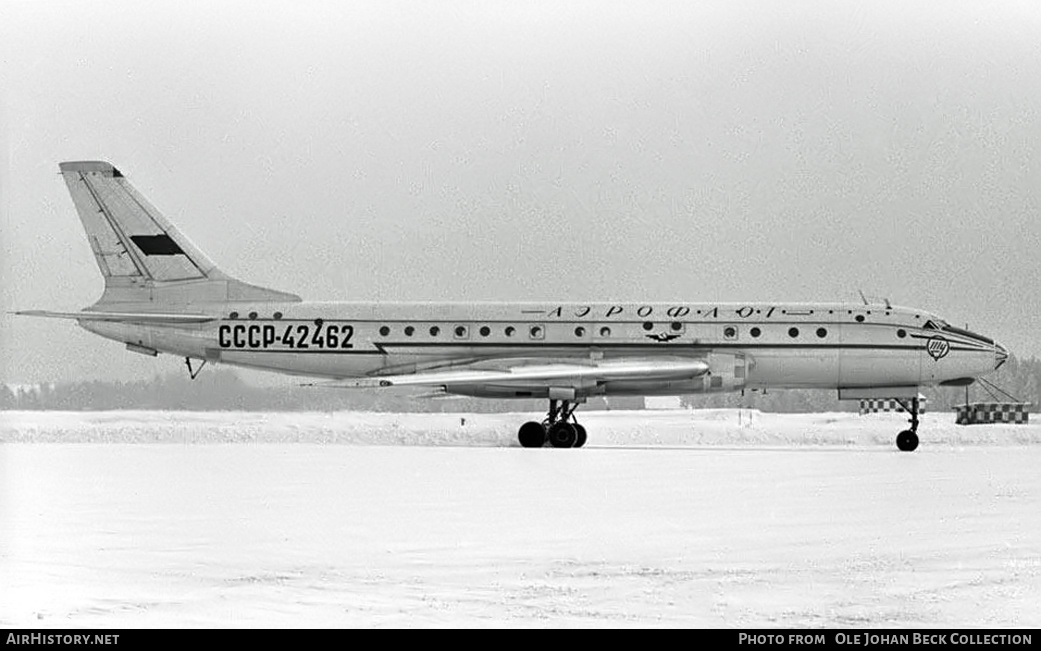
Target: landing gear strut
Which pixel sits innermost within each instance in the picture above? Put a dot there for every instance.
(907, 440)
(555, 429)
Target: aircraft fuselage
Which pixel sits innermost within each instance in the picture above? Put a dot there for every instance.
(747, 345)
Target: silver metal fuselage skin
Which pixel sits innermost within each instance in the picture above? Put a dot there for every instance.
(747, 345)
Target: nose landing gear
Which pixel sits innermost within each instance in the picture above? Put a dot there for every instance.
(555, 429)
(907, 440)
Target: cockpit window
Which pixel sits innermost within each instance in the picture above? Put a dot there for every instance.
(940, 324)
(967, 333)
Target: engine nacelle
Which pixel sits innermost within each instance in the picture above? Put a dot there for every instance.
(728, 372)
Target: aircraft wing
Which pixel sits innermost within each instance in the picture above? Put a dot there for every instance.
(563, 374)
(129, 317)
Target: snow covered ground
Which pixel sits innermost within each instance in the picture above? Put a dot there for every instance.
(668, 518)
(706, 427)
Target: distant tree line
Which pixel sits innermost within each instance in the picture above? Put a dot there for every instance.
(222, 389)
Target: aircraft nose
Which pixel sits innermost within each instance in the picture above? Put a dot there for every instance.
(1000, 355)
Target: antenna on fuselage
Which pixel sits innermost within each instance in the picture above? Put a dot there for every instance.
(865, 300)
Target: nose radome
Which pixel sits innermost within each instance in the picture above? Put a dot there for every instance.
(1000, 355)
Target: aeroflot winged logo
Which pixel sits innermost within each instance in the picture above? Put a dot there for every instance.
(937, 347)
(662, 337)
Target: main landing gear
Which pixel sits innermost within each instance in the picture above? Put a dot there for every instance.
(555, 429)
(907, 440)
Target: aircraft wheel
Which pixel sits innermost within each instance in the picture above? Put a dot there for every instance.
(580, 439)
(532, 435)
(907, 441)
(563, 435)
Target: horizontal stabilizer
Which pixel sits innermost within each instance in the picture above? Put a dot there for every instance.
(127, 317)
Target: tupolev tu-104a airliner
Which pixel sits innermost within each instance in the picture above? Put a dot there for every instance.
(162, 295)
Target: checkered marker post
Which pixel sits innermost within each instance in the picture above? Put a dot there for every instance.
(975, 413)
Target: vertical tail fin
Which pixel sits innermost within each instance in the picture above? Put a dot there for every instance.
(142, 256)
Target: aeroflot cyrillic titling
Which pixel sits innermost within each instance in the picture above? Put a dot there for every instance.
(879, 639)
(55, 638)
(674, 311)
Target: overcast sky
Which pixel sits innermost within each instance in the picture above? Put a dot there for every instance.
(712, 151)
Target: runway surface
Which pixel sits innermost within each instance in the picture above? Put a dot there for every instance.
(359, 535)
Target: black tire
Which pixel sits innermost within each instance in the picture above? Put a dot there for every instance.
(907, 441)
(532, 435)
(562, 435)
(581, 438)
